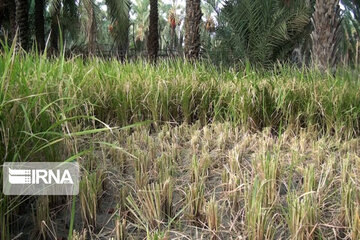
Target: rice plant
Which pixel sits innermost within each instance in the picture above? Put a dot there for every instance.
(90, 192)
(303, 212)
(153, 205)
(213, 216)
(258, 217)
(195, 201)
(208, 152)
(120, 229)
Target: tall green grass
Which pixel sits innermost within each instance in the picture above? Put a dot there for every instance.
(37, 92)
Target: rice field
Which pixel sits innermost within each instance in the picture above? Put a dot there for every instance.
(181, 150)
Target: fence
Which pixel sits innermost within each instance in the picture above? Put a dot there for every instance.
(110, 51)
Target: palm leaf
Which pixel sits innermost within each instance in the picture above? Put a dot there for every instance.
(262, 31)
(119, 13)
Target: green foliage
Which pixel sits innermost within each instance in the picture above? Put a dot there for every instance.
(119, 13)
(141, 22)
(70, 19)
(351, 31)
(260, 31)
(171, 91)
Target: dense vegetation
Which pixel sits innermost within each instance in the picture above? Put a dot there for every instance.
(247, 127)
(177, 91)
(60, 109)
(224, 31)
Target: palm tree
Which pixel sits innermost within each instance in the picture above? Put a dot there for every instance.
(54, 25)
(153, 38)
(192, 29)
(119, 13)
(261, 32)
(324, 37)
(208, 26)
(141, 22)
(22, 22)
(91, 27)
(10, 7)
(39, 24)
(172, 19)
(170, 25)
(351, 26)
(65, 16)
(173, 30)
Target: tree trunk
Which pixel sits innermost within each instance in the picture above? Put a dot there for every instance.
(91, 27)
(11, 8)
(2, 13)
(326, 22)
(173, 39)
(22, 22)
(54, 37)
(192, 29)
(153, 38)
(39, 25)
(123, 40)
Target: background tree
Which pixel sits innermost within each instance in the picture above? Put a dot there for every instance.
(90, 25)
(54, 26)
(11, 9)
(22, 22)
(40, 24)
(349, 43)
(173, 22)
(261, 32)
(140, 10)
(171, 26)
(208, 26)
(120, 17)
(192, 29)
(232, 31)
(325, 37)
(153, 39)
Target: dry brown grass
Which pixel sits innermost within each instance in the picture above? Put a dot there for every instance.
(223, 182)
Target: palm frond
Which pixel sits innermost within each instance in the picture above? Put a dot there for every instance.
(119, 14)
(261, 31)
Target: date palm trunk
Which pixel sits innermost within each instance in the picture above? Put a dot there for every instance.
(54, 25)
(326, 22)
(153, 38)
(91, 27)
(192, 29)
(39, 24)
(22, 22)
(11, 8)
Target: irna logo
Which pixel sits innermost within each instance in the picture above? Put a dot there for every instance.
(37, 176)
(40, 178)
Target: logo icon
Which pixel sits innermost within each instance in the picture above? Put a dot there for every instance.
(19, 176)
